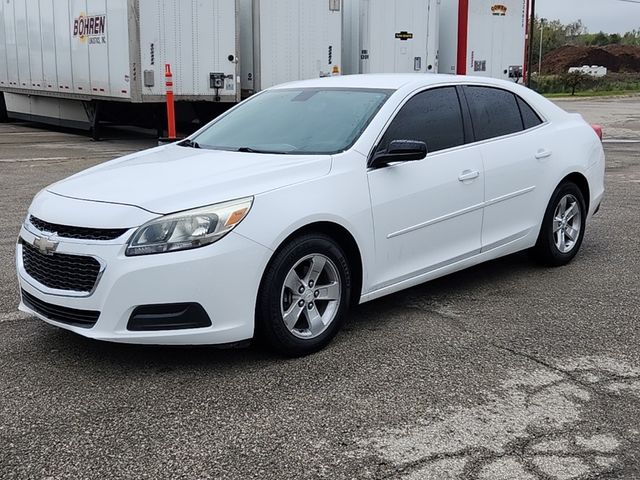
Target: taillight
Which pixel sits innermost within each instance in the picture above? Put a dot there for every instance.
(598, 130)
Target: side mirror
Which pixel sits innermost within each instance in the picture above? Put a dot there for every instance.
(399, 151)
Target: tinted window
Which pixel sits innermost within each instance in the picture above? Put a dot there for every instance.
(529, 117)
(494, 112)
(433, 117)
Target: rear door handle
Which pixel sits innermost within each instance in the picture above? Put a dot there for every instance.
(543, 154)
(468, 175)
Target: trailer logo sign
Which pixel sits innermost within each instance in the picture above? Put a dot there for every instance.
(499, 10)
(404, 35)
(90, 28)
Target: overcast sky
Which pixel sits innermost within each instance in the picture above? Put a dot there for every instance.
(611, 16)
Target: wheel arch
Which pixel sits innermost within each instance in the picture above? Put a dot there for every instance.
(344, 239)
(582, 183)
(544, 249)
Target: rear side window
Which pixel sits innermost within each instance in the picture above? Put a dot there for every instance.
(433, 116)
(530, 118)
(494, 112)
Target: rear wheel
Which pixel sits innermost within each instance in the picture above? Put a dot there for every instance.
(304, 295)
(563, 226)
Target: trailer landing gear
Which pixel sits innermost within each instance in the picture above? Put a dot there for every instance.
(93, 110)
(160, 119)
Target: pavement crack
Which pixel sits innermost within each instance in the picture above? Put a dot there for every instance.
(593, 387)
(467, 453)
(544, 364)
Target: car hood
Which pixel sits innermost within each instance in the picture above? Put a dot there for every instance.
(171, 178)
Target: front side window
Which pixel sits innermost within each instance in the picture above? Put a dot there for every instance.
(433, 116)
(295, 121)
(494, 112)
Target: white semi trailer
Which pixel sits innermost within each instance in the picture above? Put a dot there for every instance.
(287, 40)
(73, 62)
(483, 37)
(79, 62)
(391, 36)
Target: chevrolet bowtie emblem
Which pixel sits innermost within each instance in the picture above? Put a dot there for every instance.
(46, 246)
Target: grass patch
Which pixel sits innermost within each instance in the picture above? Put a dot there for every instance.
(555, 86)
(594, 93)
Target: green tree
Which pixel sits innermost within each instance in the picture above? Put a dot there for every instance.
(615, 39)
(554, 35)
(574, 32)
(631, 38)
(574, 79)
(600, 39)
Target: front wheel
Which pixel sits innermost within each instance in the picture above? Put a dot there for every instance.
(304, 295)
(563, 226)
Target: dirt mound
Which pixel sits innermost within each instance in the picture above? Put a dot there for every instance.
(629, 56)
(617, 58)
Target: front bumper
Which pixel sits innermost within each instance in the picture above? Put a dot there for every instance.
(223, 278)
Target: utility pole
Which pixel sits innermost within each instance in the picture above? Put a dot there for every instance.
(541, 39)
(532, 19)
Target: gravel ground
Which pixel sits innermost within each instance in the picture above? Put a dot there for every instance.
(507, 370)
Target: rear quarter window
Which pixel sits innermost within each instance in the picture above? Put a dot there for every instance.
(530, 118)
(494, 112)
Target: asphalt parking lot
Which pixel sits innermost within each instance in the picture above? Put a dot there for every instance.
(504, 371)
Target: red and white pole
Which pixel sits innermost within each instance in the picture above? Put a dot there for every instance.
(463, 37)
(171, 112)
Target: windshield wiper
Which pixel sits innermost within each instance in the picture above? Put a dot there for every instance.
(254, 150)
(189, 143)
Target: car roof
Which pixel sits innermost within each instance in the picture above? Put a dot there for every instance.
(404, 83)
(391, 81)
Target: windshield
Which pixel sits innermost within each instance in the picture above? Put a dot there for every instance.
(295, 121)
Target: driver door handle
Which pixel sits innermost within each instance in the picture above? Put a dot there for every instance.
(543, 154)
(468, 175)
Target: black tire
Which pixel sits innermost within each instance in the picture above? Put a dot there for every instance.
(546, 251)
(270, 326)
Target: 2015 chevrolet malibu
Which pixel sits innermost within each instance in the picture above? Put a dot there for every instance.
(307, 198)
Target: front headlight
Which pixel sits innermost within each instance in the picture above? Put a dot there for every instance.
(188, 229)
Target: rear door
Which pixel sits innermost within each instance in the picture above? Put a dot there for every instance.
(515, 153)
(427, 213)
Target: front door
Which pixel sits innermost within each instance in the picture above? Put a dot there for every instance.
(428, 213)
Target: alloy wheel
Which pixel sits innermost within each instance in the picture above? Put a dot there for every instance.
(310, 296)
(567, 223)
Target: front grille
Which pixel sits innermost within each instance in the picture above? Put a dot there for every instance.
(70, 316)
(64, 272)
(81, 233)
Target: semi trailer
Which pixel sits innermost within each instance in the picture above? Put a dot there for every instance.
(79, 62)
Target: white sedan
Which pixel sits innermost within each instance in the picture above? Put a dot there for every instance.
(307, 198)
